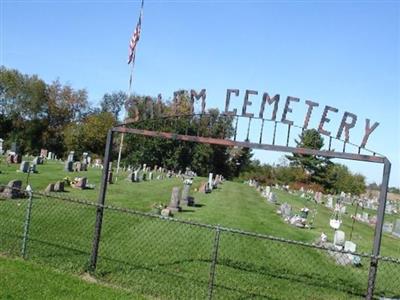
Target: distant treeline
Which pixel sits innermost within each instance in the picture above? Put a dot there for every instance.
(58, 117)
(55, 116)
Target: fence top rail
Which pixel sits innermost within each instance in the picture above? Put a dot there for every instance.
(151, 121)
(209, 226)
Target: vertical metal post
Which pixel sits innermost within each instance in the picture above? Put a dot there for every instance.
(236, 125)
(273, 138)
(26, 226)
(100, 204)
(213, 264)
(378, 229)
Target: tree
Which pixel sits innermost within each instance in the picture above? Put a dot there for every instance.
(113, 103)
(90, 134)
(177, 154)
(315, 166)
(341, 179)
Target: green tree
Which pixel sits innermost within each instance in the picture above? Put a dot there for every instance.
(113, 103)
(90, 134)
(314, 166)
(341, 179)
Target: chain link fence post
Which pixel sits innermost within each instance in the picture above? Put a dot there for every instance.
(100, 204)
(213, 263)
(373, 269)
(27, 223)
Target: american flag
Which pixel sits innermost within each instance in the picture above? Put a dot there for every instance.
(135, 38)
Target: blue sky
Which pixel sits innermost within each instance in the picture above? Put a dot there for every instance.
(337, 53)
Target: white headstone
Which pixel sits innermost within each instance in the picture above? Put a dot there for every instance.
(272, 197)
(268, 191)
(329, 203)
(387, 227)
(339, 238)
(210, 180)
(396, 229)
(350, 246)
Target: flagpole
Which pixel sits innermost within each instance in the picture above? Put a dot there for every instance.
(132, 55)
(126, 113)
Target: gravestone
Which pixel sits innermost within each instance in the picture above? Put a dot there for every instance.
(318, 197)
(110, 177)
(350, 246)
(59, 186)
(210, 181)
(97, 163)
(175, 201)
(81, 183)
(1, 146)
(68, 166)
(12, 190)
(272, 198)
(388, 208)
(33, 168)
(203, 187)
(10, 159)
(24, 167)
(49, 188)
(166, 212)
(85, 156)
(329, 203)
(286, 210)
(396, 229)
(186, 199)
(49, 155)
(151, 176)
(14, 148)
(339, 238)
(387, 227)
(38, 160)
(71, 156)
(17, 159)
(136, 176)
(267, 191)
(43, 153)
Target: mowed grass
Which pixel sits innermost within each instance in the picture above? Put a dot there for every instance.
(26, 280)
(170, 260)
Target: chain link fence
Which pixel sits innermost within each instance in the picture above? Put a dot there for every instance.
(168, 258)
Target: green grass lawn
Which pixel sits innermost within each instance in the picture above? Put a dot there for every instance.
(171, 260)
(26, 280)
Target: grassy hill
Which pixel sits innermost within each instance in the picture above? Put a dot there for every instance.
(171, 260)
(25, 280)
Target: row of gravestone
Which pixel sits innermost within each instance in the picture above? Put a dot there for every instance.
(394, 229)
(300, 220)
(78, 166)
(59, 186)
(179, 199)
(13, 190)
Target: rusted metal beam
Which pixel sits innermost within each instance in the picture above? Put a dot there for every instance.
(230, 143)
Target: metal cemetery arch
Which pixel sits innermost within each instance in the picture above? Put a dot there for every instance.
(371, 157)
